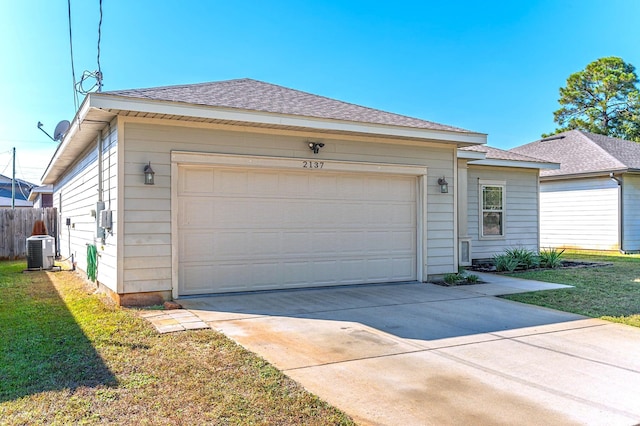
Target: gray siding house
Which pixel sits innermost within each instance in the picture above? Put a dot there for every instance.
(258, 186)
(593, 201)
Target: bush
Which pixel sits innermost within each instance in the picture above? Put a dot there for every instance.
(526, 259)
(551, 258)
(451, 279)
(505, 262)
(472, 279)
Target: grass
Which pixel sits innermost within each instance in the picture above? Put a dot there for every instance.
(608, 292)
(69, 357)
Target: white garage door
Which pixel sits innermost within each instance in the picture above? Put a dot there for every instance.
(257, 229)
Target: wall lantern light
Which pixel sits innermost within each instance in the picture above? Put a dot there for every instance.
(148, 174)
(315, 146)
(444, 185)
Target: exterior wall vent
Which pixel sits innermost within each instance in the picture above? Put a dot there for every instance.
(464, 255)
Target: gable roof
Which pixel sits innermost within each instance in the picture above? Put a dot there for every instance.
(580, 153)
(254, 95)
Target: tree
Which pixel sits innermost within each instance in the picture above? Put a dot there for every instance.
(602, 98)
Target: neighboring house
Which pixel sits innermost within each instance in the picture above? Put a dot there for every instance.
(22, 189)
(259, 187)
(41, 196)
(593, 201)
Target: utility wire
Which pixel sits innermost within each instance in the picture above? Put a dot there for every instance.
(99, 39)
(96, 75)
(73, 70)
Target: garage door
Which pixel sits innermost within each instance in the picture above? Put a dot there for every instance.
(257, 229)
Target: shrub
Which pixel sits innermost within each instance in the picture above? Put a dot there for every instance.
(472, 279)
(526, 259)
(505, 262)
(451, 279)
(551, 258)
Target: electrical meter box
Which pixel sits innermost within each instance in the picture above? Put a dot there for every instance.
(104, 220)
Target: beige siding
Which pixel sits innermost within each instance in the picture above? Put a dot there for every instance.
(579, 213)
(147, 209)
(521, 213)
(76, 196)
(631, 215)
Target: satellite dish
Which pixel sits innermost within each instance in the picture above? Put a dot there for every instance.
(61, 130)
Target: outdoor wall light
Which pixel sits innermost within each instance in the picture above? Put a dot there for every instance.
(315, 146)
(444, 185)
(148, 174)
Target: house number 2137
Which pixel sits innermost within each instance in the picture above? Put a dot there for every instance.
(312, 164)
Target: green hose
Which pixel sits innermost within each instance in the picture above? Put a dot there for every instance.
(92, 262)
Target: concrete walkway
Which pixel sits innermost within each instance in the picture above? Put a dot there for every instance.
(419, 354)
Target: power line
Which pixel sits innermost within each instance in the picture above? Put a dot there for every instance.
(99, 39)
(73, 70)
(97, 75)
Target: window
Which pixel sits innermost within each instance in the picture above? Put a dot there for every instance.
(492, 208)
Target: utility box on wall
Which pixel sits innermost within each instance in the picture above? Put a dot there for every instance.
(40, 252)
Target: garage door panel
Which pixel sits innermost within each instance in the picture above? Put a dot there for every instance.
(294, 242)
(194, 211)
(267, 229)
(324, 272)
(378, 269)
(295, 273)
(264, 183)
(196, 180)
(402, 267)
(401, 242)
(230, 245)
(197, 246)
(231, 182)
(265, 243)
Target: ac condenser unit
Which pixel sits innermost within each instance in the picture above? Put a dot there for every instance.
(40, 252)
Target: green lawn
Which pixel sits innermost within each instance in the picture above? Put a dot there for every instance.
(609, 292)
(67, 357)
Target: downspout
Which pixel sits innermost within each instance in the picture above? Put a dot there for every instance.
(620, 211)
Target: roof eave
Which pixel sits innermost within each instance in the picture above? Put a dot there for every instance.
(471, 155)
(86, 125)
(149, 106)
(514, 163)
(600, 173)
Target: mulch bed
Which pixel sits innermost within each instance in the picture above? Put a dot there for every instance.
(489, 267)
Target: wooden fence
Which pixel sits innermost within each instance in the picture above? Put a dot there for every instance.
(16, 226)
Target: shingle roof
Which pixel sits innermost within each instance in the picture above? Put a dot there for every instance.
(580, 152)
(253, 95)
(500, 154)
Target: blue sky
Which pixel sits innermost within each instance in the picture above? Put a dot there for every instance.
(489, 66)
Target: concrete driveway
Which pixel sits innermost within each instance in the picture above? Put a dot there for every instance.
(419, 354)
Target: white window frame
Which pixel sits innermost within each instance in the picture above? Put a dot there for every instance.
(482, 184)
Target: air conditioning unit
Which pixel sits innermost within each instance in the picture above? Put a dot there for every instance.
(40, 252)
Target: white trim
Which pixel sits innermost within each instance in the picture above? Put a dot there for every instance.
(107, 102)
(484, 183)
(175, 258)
(470, 155)
(251, 161)
(185, 158)
(515, 163)
(120, 195)
(421, 225)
